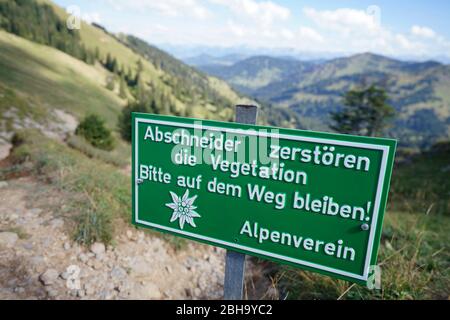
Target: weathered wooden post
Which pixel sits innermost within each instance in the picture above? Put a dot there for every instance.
(235, 261)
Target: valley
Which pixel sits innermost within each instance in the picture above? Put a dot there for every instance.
(313, 90)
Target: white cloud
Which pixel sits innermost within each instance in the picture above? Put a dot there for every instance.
(267, 24)
(424, 32)
(351, 30)
(287, 34)
(309, 34)
(263, 13)
(170, 8)
(236, 29)
(344, 20)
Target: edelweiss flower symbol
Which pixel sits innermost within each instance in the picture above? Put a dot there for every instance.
(183, 209)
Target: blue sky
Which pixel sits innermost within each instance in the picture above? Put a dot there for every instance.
(396, 28)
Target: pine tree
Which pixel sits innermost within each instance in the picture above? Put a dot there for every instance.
(122, 88)
(365, 112)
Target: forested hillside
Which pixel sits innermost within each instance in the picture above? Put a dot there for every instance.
(417, 90)
(127, 67)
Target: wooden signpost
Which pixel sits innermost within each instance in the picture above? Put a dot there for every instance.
(234, 261)
(311, 200)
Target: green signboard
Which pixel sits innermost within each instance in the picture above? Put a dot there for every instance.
(308, 199)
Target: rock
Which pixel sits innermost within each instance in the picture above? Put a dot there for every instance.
(89, 289)
(49, 277)
(197, 292)
(169, 269)
(129, 234)
(81, 293)
(38, 263)
(67, 246)
(73, 293)
(144, 291)
(28, 246)
(118, 273)
(83, 257)
(8, 239)
(57, 223)
(52, 293)
(97, 265)
(3, 184)
(34, 212)
(140, 266)
(19, 290)
(65, 275)
(98, 248)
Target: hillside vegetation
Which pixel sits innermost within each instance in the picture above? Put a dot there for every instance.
(418, 91)
(100, 66)
(55, 79)
(414, 251)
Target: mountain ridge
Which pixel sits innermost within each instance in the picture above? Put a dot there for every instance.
(418, 90)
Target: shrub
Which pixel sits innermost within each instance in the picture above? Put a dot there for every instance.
(115, 157)
(124, 123)
(93, 129)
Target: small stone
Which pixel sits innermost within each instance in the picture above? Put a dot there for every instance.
(8, 239)
(169, 269)
(83, 257)
(19, 290)
(97, 265)
(197, 292)
(3, 184)
(118, 273)
(98, 248)
(65, 275)
(38, 263)
(80, 293)
(145, 291)
(49, 277)
(73, 293)
(89, 290)
(67, 246)
(28, 246)
(34, 212)
(52, 293)
(129, 234)
(57, 223)
(13, 217)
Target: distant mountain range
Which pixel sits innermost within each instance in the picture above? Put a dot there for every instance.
(419, 91)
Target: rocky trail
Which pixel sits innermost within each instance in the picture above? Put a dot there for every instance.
(38, 260)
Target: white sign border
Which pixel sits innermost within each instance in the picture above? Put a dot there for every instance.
(384, 149)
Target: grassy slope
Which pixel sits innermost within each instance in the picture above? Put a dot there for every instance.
(94, 38)
(97, 193)
(413, 258)
(415, 245)
(56, 79)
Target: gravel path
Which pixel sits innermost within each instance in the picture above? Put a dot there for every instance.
(38, 260)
